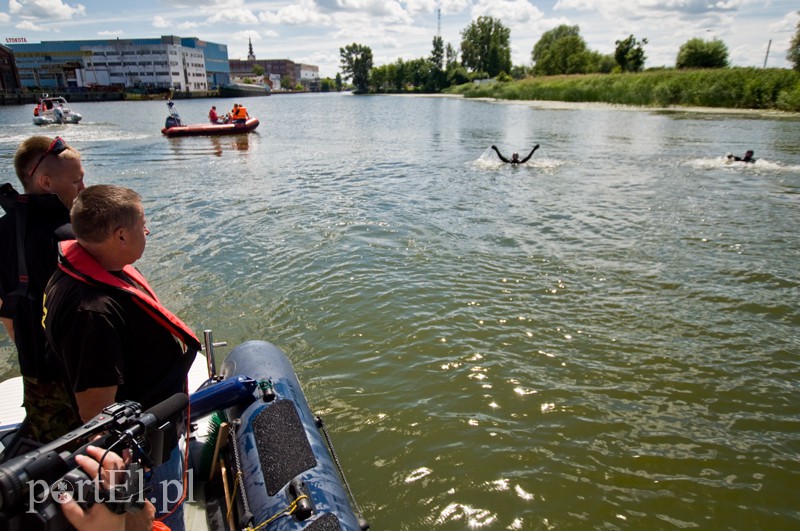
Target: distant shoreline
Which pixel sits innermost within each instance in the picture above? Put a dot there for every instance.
(569, 105)
(737, 89)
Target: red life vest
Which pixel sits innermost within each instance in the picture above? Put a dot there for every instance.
(77, 263)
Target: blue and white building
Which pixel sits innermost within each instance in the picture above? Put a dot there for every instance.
(176, 63)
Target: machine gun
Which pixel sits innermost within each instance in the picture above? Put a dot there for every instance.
(31, 484)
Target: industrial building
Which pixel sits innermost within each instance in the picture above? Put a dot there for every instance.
(169, 62)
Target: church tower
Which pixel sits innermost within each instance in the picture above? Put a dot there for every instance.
(251, 56)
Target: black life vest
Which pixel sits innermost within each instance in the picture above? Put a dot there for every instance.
(18, 205)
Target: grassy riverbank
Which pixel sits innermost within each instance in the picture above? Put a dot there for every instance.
(737, 88)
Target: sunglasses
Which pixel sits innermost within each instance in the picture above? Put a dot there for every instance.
(56, 148)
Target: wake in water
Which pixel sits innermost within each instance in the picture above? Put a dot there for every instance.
(539, 162)
(759, 165)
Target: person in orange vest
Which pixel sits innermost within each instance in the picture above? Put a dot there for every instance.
(240, 115)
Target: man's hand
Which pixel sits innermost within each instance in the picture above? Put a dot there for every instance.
(98, 516)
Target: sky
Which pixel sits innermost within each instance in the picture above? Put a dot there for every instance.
(313, 31)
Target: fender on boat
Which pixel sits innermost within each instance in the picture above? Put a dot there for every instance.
(282, 450)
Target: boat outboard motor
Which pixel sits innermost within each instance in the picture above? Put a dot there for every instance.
(171, 122)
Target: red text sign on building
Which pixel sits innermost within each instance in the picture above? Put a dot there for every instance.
(14, 40)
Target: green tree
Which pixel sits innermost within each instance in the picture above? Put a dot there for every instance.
(437, 78)
(793, 55)
(561, 50)
(519, 72)
(600, 63)
(437, 53)
(418, 73)
(286, 82)
(549, 38)
(629, 54)
(356, 62)
(377, 77)
(697, 53)
(485, 46)
(258, 70)
(339, 82)
(451, 57)
(397, 75)
(457, 75)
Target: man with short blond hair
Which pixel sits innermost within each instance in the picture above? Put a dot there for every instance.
(114, 338)
(51, 174)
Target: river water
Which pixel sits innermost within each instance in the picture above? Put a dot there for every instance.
(606, 337)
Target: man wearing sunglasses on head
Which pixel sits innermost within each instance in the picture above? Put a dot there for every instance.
(51, 175)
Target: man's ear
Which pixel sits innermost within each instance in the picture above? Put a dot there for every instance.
(120, 236)
(44, 183)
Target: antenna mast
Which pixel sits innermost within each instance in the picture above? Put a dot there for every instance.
(769, 44)
(438, 20)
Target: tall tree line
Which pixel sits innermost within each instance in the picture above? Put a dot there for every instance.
(485, 52)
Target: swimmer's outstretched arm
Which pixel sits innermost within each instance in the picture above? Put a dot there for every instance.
(530, 154)
(500, 155)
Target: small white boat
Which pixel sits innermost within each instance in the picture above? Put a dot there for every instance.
(54, 110)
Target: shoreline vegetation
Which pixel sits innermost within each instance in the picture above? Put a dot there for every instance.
(732, 88)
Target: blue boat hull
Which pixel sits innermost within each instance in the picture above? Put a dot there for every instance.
(284, 459)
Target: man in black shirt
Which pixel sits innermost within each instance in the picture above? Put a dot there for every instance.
(111, 333)
(51, 174)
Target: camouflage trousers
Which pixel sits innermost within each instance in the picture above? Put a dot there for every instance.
(49, 410)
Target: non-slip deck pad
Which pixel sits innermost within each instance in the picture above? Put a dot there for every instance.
(283, 447)
(327, 522)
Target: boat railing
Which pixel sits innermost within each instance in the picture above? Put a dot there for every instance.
(208, 347)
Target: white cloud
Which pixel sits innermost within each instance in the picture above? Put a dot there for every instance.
(215, 4)
(788, 23)
(234, 16)
(109, 33)
(45, 10)
(28, 25)
(160, 22)
(452, 7)
(305, 12)
(5, 18)
(508, 11)
(415, 7)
